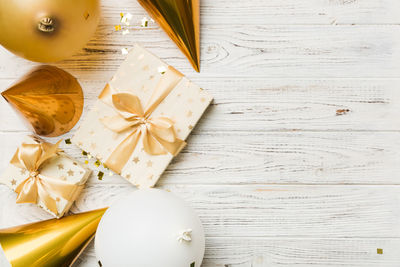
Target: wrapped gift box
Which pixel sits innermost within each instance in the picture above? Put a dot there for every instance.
(151, 104)
(60, 172)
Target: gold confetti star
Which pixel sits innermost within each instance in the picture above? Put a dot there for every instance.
(149, 163)
(203, 99)
(22, 171)
(128, 176)
(136, 159)
(190, 127)
(60, 166)
(70, 173)
(189, 114)
(150, 176)
(63, 178)
(13, 182)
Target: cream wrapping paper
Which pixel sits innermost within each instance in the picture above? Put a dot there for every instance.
(61, 167)
(139, 75)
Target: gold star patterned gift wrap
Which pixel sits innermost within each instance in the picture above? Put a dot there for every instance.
(41, 173)
(142, 117)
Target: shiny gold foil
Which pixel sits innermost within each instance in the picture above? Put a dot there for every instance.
(56, 242)
(49, 98)
(180, 19)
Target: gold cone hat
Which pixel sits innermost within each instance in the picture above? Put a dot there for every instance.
(56, 242)
(180, 19)
(50, 99)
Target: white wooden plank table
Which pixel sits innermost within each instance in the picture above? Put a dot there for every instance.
(297, 160)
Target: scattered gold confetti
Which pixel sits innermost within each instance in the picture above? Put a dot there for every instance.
(190, 113)
(135, 159)
(60, 166)
(68, 141)
(97, 163)
(100, 175)
(118, 27)
(128, 176)
(203, 99)
(150, 176)
(22, 171)
(379, 251)
(149, 163)
(13, 182)
(86, 162)
(70, 173)
(190, 127)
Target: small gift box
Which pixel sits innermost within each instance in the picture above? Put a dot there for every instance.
(142, 118)
(41, 173)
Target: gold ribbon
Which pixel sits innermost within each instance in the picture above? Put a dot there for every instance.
(31, 157)
(158, 133)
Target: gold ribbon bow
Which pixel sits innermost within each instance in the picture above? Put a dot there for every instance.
(158, 133)
(31, 157)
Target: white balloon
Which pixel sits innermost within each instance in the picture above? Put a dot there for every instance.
(150, 228)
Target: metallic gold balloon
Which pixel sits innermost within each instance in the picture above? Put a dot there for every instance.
(56, 242)
(49, 98)
(47, 30)
(180, 19)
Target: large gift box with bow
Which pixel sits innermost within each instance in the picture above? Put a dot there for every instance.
(42, 174)
(142, 118)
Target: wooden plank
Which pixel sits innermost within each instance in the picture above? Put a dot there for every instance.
(268, 158)
(278, 105)
(267, 252)
(257, 211)
(256, 12)
(239, 51)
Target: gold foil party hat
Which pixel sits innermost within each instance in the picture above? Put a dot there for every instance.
(49, 98)
(180, 19)
(56, 242)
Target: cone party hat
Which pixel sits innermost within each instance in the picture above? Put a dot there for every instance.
(56, 242)
(50, 100)
(180, 19)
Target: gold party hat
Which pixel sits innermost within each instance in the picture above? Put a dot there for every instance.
(56, 242)
(49, 98)
(180, 19)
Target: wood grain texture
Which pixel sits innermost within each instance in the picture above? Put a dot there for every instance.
(296, 160)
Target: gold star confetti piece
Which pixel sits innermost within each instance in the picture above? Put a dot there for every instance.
(70, 173)
(149, 163)
(86, 162)
(162, 69)
(189, 114)
(100, 175)
(68, 141)
(124, 51)
(22, 171)
(13, 182)
(118, 27)
(136, 159)
(190, 127)
(60, 166)
(145, 22)
(379, 251)
(97, 163)
(128, 176)
(150, 176)
(203, 99)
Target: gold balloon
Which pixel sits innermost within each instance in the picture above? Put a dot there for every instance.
(50, 99)
(180, 19)
(47, 30)
(56, 242)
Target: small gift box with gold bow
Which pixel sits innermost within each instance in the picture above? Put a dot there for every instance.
(41, 173)
(142, 118)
